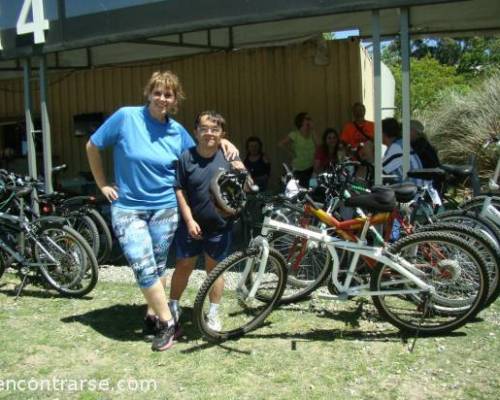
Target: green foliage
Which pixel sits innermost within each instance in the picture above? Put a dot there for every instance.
(459, 124)
(428, 80)
(443, 64)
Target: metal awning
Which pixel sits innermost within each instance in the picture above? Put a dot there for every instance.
(93, 33)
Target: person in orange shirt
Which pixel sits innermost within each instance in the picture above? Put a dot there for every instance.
(358, 130)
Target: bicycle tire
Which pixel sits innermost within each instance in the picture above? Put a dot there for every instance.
(304, 274)
(87, 228)
(470, 219)
(2, 264)
(408, 311)
(105, 238)
(475, 205)
(76, 273)
(482, 244)
(234, 307)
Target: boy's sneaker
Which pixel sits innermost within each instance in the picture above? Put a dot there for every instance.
(213, 322)
(150, 326)
(164, 339)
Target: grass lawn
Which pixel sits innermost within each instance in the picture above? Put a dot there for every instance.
(314, 350)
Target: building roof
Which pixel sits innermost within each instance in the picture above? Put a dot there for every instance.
(93, 32)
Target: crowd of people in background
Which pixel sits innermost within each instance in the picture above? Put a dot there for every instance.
(311, 154)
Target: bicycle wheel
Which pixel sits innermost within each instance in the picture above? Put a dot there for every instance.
(451, 266)
(468, 218)
(86, 227)
(308, 264)
(484, 247)
(2, 263)
(233, 279)
(66, 260)
(105, 239)
(476, 205)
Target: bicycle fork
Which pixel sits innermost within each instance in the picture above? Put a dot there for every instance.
(241, 288)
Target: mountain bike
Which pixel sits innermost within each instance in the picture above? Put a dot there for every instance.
(426, 283)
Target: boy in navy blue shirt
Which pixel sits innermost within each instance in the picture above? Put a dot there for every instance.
(202, 229)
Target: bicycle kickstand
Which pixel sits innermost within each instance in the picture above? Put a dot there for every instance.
(424, 313)
(21, 286)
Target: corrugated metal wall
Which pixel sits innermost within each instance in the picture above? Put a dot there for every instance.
(258, 90)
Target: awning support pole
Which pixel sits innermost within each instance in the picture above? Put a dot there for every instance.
(405, 87)
(377, 96)
(47, 147)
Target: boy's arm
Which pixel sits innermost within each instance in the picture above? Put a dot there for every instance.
(192, 226)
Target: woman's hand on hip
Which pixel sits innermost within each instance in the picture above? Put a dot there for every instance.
(110, 192)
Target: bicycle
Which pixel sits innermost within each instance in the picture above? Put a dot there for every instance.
(487, 205)
(48, 247)
(417, 284)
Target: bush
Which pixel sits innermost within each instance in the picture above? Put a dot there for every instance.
(460, 123)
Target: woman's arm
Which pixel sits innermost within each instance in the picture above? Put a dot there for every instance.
(230, 151)
(95, 161)
(192, 226)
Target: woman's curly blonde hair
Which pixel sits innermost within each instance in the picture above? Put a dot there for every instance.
(166, 80)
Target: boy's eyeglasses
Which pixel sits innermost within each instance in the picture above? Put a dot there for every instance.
(217, 130)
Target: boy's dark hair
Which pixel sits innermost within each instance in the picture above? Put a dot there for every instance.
(299, 119)
(254, 139)
(391, 128)
(212, 116)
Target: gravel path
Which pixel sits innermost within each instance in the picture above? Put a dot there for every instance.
(122, 273)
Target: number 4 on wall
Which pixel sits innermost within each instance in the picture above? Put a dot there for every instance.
(37, 25)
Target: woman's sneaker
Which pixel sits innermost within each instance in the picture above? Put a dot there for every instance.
(164, 339)
(150, 326)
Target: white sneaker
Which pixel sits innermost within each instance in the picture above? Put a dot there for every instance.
(213, 322)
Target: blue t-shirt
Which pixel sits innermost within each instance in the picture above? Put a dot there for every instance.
(194, 174)
(145, 154)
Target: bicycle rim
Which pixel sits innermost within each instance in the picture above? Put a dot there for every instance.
(451, 266)
(234, 277)
(308, 264)
(68, 263)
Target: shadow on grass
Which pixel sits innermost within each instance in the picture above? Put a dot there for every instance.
(341, 334)
(350, 317)
(119, 322)
(35, 291)
(123, 322)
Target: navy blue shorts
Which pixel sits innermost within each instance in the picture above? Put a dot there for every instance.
(216, 245)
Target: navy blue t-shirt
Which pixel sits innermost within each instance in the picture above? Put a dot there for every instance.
(194, 174)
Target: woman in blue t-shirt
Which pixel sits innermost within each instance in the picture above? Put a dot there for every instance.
(146, 144)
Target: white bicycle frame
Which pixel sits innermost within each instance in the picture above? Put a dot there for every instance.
(398, 264)
(488, 210)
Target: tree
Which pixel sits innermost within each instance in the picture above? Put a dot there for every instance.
(428, 80)
(443, 64)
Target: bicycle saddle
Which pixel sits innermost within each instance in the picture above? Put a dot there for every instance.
(404, 192)
(381, 198)
(458, 170)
